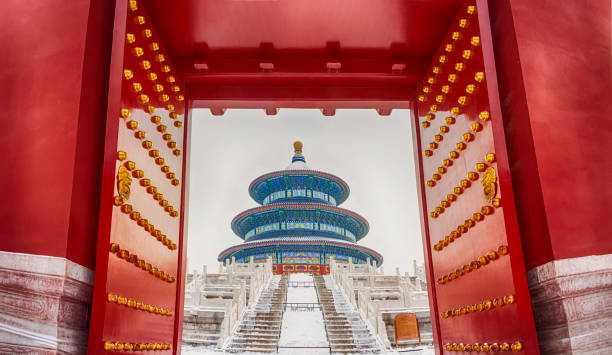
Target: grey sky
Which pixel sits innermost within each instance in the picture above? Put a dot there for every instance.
(373, 154)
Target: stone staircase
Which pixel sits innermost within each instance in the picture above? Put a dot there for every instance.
(259, 329)
(347, 332)
(202, 328)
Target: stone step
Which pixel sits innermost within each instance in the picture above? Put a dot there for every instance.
(250, 349)
(255, 342)
(257, 336)
(353, 351)
(200, 336)
(206, 343)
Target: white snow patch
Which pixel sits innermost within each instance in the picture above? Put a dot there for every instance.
(302, 328)
(302, 295)
(301, 278)
(424, 350)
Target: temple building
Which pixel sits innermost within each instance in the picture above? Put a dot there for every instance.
(299, 224)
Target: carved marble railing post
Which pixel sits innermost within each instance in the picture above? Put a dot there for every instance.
(254, 286)
(241, 298)
(196, 289)
(405, 293)
(381, 330)
(227, 320)
(351, 291)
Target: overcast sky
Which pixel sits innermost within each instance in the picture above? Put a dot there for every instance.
(373, 154)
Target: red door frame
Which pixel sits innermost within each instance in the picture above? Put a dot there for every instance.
(505, 185)
(99, 301)
(98, 310)
(200, 101)
(183, 233)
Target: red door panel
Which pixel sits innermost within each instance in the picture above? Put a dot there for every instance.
(474, 252)
(139, 258)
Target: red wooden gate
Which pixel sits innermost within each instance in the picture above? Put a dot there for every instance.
(138, 291)
(479, 296)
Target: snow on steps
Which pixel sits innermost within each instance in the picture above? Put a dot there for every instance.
(347, 331)
(259, 329)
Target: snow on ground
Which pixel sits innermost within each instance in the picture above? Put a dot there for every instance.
(302, 328)
(300, 278)
(302, 294)
(417, 351)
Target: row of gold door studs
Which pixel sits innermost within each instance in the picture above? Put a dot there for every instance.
(463, 184)
(144, 223)
(117, 346)
(141, 263)
(446, 89)
(443, 59)
(485, 305)
(154, 153)
(145, 182)
(131, 303)
(466, 138)
(469, 223)
(474, 127)
(470, 89)
(155, 119)
(128, 74)
(450, 120)
(480, 262)
(147, 34)
(484, 347)
(161, 128)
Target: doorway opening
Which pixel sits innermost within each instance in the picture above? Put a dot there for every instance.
(374, 156)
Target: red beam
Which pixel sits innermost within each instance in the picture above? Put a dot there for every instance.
(306, 71)
(271, 111)
(307, 97)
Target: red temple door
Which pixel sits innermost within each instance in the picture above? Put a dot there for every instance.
(478, 290)
(139, 280)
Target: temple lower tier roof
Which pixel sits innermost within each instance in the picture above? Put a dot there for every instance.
(301, 250)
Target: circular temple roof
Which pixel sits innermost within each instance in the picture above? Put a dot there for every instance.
(298, 175)
(341, 217)
(249, 248)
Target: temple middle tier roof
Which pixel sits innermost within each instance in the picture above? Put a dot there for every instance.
(315, 219)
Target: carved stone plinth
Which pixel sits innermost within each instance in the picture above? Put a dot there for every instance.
(44, 304)
(572, 301)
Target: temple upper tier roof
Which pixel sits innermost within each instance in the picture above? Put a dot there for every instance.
(298, 182)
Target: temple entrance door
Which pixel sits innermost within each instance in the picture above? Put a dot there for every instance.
(140, 262)
(476, 273)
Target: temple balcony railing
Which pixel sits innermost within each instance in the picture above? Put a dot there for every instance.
(377, 295)
(231, 291)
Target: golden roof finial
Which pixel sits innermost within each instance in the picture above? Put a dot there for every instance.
(297, 146)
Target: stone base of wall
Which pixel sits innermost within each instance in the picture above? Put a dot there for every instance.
(44, 304)
(572, 301)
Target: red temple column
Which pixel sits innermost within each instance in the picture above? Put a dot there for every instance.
(54, 82)
(554, 68)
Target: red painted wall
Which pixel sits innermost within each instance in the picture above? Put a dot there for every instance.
(54, 75)
(554, 68)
